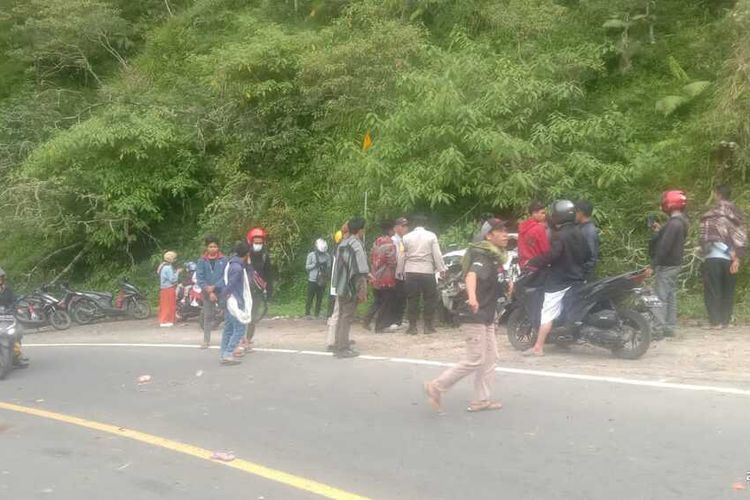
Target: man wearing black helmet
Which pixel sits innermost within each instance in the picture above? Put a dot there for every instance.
(567, 259)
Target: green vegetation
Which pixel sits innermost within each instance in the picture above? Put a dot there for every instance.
(130, 127)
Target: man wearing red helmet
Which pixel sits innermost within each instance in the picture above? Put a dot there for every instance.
(260, 259)
(666, 251)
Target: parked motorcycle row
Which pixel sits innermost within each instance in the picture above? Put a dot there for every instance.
(42, 308)
(616, 313)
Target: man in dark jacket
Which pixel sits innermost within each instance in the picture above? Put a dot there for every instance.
(666, 250)
(566, 261)
(262, 285)
(584, 209)
(210, 276)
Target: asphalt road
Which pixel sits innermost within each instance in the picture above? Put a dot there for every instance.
(360, 426)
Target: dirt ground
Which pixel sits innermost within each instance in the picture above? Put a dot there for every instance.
(694, 356)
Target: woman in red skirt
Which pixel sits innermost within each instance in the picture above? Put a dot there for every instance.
(167, 293)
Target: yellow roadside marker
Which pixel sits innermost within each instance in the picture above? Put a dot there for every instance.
(251, 468)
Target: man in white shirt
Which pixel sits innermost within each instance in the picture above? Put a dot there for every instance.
(422, 259)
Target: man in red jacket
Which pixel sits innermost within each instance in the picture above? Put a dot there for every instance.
(533, 240)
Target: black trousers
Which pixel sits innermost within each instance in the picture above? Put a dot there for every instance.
(381, 308)
(399, 302)
(424, 287)
(718, 291)
(314, 291)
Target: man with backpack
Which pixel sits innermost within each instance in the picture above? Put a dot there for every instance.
(480, 268)
(350, 282)
(383, 260)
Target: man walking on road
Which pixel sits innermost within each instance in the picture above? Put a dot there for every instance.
(350, 281)
(239, 305)
(422, 259)
(666, 251)
(481, 264)
(723, 239)
(210, 276)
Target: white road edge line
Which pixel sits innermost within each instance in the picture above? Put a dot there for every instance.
(659, 384)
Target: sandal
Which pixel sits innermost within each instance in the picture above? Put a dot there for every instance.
(483, 406)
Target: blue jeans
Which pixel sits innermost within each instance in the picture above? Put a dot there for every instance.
(666, 289)
(234, 330)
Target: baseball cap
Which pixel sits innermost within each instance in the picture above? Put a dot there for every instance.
(401, 221)
(492, 225)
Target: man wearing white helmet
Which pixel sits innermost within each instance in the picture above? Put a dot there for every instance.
(318, 267)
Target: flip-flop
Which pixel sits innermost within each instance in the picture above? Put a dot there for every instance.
(531, 352)
(485, 406)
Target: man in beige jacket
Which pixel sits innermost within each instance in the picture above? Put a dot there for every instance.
(422, 260)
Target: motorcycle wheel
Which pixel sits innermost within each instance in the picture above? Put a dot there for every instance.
(6, 359)
(60, 320)
(139, 309)
(520, 333)
(640, 335)
(84, 312)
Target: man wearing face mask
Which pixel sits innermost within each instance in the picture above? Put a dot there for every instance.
(318, 267)
(262, 283)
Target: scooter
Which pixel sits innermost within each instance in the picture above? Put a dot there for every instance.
(40, 308)
(607, 313)
(129, 302)
(189, 298)
(10, 339)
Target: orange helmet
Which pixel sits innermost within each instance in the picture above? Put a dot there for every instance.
(673, 200)
(256, 232)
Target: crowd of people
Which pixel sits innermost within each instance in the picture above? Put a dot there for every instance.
(401, 265)
(235, 288)
(405, 258)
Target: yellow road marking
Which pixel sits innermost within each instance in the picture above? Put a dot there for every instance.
(252, 468)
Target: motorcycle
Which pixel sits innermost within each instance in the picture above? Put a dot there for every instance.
(452, 288)
(607, 313)
(40, 308)
(129, 301)
(189, 298)
(10, 338)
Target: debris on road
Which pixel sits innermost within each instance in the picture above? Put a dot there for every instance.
(738, 486)
(199, 373)
(144, 379)
(223, 456)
